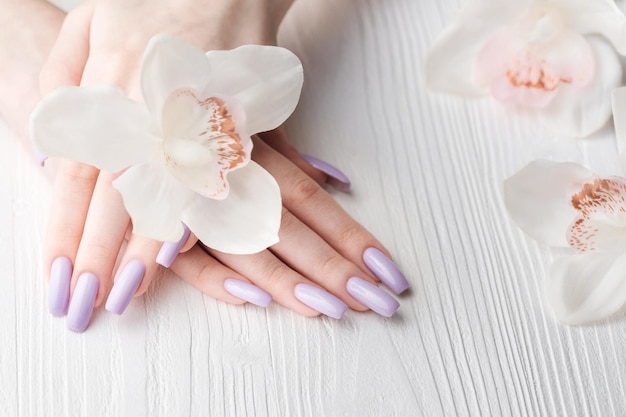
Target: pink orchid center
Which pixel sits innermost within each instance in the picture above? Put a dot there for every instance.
(527, 63)
(201, 139)
(601, 220)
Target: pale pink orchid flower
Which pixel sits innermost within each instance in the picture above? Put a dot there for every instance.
(184, 155)
(540, 55)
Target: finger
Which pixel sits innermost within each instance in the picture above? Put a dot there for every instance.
(73, 188)
(135, 274)
(286, 286)
(322, 264)
(68, 56)
(103, 235)
(305, 199)
(278, 140)
(204, 272)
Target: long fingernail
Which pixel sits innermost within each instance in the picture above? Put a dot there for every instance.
(40, 157)
(169, 250)
(320, 300)
(372, 296)
(336, 177)
(59, 288)
(82, 303)
(248, 292)
(125, 286)
(385, 270)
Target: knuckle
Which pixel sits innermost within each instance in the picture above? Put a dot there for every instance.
(331, 265)
(304, 189)
(351, 235)
(276, 273)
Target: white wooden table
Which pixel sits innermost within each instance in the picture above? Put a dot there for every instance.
(472, 338)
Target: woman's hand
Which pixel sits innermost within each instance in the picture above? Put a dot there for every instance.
(319, 264)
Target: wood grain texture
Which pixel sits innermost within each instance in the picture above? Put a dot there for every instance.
(472, 338)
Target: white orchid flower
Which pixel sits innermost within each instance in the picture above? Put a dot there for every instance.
(566, 205)
(535, 54)
(184, 155)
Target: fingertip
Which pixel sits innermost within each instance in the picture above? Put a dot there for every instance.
(191, 241)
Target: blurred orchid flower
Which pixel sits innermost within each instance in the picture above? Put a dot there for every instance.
(184, 155)
(535, 54)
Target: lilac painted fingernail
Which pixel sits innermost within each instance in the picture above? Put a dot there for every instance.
(320, 300)
(372, 296)
(169, 250)
(337, 178)
(59, 288)
(125, 286)
(385, 270)
(40, 157)
(248, 292)
(82, 303)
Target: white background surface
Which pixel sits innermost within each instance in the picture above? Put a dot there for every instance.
(472, 337)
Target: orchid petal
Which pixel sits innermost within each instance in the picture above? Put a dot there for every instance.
(538, 198)
(451, 61)
(202, 143)
(619, 119)
(170, 64)
(120, 132)
(154, 201)
(588, 287)
(601, 17)
(266, 80)
(601, 204)
(244, 223)
(580, 112)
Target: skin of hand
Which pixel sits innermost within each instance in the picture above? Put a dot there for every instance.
(102, 42)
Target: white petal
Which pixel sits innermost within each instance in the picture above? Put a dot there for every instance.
(170, 64)
(619, 118)
(154, 201)
(596, 17)
(538, 198)
(95, 125)
(201, 142)
(450, 63)
(580, 112)
(245, 222)
(587, 287)
(265, 79)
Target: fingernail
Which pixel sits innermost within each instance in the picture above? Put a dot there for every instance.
(248, 292)
(372, 296)
(169, 250)
(82, 303)
(125, 286)
(337, 178)
(320, 300)
(385, 270)
(40, 157)
(59, 287)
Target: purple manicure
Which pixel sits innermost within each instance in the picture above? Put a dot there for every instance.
(337, 179)
(248, 292)
(82, 303)
(169, 250)
(385, 270)
(59, 288)
(125, 287)
(40, 157)
(372, 296)
(320, 300)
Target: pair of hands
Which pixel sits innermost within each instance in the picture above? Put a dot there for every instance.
(325, 261)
